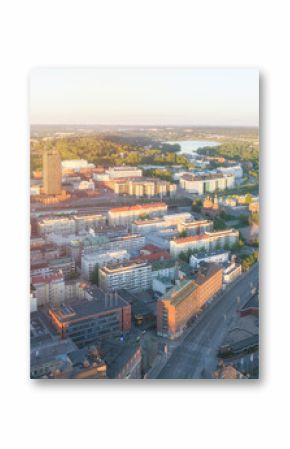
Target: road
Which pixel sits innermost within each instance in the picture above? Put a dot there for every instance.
(195, 357)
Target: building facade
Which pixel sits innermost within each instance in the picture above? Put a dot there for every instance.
(131, 276)
(142, 187)
(91, 260)
(84, 322)
(195, 227)
(186, 299)
(156, 224)
(52, 172)
(219, 256)
(124, 172)
(49, 288)
(207, 183)
(127, 214)
(208, 241)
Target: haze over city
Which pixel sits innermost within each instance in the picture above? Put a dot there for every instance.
(145, 96)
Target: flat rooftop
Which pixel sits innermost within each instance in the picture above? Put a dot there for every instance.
(138, 207)
(115, 268)
(51, 351)
(206, 236)
(218, 252)
(102, 302)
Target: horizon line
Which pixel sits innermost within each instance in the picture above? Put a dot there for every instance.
(145, 126)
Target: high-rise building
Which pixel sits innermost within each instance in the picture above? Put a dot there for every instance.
(52, 172)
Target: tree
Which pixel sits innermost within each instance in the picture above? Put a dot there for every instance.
(182, 233)
(94, 278)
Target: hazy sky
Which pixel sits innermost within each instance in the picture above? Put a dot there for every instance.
(145, 96)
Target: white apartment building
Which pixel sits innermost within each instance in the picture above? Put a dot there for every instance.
(76, 164)
(219, 256)
(126, 215)
(164, 269)
(131, 276)
(231, 272)
(74, 290)
(89, 261)
(155, 224)
(206, 183)
(130, 243)
(124, 172)
(84, 185)
(70, 225)
(61, 226)
(195, 227)
(236, 171)
(85, 222)
(208, 241)
(49, 287)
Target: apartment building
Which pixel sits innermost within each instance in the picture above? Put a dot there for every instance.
(155, 224)
(206, 183)
(85, 222)
(184, 300)
(141, 187)
(124, 172)
(195, 227)
(127, 214)
(91, 260)
(219, 256)
(130, 242)
(208, 241)
(235, 170)
(48, 288)
(70, 225)
(62, 226)
(132, 275)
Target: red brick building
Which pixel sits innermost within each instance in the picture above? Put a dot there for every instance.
(186, 299)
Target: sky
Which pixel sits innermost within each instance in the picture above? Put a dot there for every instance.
(145, 96)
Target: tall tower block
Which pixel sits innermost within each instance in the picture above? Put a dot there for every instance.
(52, 172)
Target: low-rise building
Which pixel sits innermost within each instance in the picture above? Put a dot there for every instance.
(50, 357)
(132, 275)
(164, 268)
(219, 256)
(232, 271)
(123, 359)
(86, 321)
(206, 242)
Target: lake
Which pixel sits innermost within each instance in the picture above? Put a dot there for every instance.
(191, 146)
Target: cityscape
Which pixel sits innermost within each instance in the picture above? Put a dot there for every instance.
(144, 243)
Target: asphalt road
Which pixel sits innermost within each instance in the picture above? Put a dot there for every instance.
(195, 357)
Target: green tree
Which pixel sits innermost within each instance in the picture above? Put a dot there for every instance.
(94, 278)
